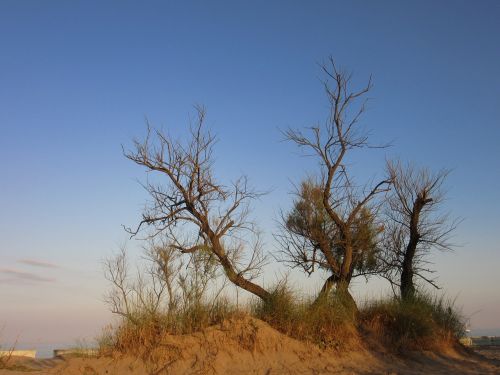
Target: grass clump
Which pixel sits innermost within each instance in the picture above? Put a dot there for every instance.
(171, 298)
(5, 359)
(143, 332)
(420, 322)
(5, 355)
(326, 322)
(166, 296)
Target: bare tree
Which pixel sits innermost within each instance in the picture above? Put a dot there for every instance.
(118, 298)
(145, 293)
(415, 225)
(165, 265)
(194, 211)
(163, 285)
(337, 207)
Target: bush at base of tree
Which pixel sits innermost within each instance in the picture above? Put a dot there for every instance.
(326, 322)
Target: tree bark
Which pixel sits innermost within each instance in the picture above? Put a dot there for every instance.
(330, 282)
(407, 286)
(342, 290)
(235, 277)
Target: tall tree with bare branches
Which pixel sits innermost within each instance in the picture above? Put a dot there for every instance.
(415, 225)
(331, 224)
(193, 210)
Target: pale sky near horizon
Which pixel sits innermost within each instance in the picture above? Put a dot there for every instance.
(78, 78)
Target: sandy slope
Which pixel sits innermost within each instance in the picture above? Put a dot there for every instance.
(250, 346)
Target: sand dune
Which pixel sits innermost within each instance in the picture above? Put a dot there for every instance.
(250, 346)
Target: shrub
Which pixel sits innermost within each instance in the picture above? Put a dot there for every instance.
(326, 322)
(167, 297)
(6, 355)
(421, 322)
(5, 359)
(145, 331)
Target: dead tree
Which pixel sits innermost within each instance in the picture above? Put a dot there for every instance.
(193, 210)
(119, 297)
(167, 285)
(146, 293)
(414, 225)
(337, 206)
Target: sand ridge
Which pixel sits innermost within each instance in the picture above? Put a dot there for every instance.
(246, 345)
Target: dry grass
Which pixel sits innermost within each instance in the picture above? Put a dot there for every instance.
(5, 354)
(5, 359)
(327, 323)
(146, 331)
(169, 297)
(420, 323)
(173, 302)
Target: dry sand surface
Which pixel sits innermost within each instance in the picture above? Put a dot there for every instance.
(250, 346)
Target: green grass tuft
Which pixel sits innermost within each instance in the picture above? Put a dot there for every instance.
(145, 331)
(327, 322)
(422, 322)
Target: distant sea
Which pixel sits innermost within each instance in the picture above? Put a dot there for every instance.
(43, 350)
(484, 332)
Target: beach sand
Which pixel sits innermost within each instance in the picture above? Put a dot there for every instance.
(250, 346)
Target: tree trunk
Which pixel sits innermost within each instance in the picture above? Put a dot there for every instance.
(243, 283)
(342, 291)
(346, 297)
(235, 277)
(330, 282)
(407, 287)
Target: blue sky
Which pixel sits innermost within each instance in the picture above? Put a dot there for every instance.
(77, 80)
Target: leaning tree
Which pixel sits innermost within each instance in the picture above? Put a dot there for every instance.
(415, 225)
(332, 224)
(193, 210)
